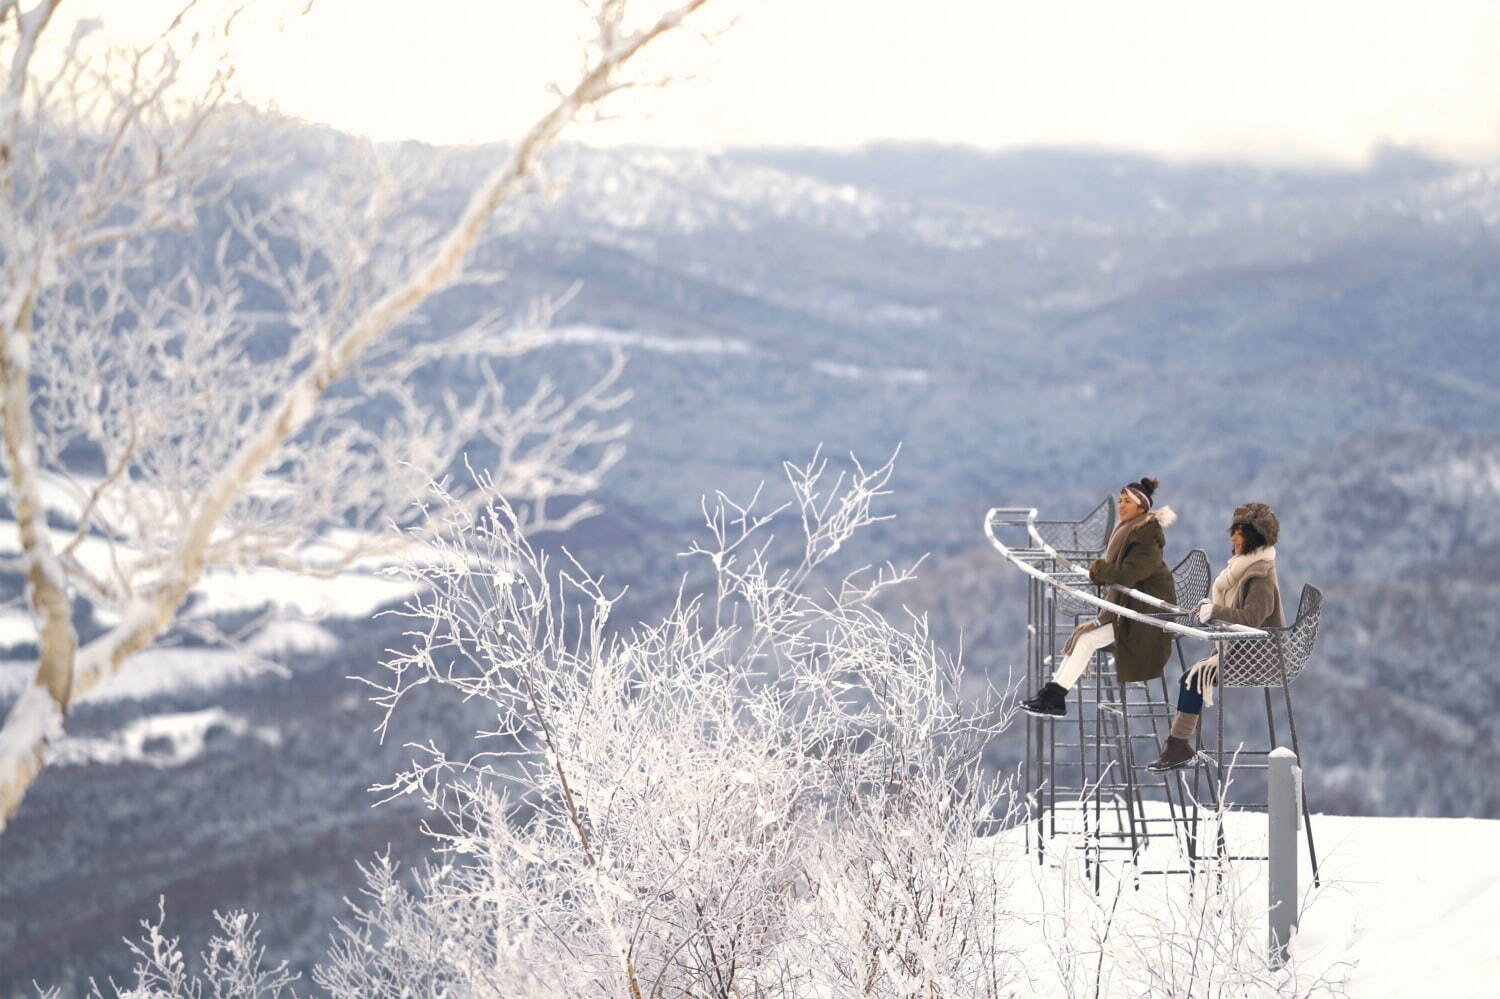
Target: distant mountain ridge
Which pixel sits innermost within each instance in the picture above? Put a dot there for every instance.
(1066, 183)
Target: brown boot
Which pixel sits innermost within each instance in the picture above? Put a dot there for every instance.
(1177, 753)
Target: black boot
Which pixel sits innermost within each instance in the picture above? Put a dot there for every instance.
(1176, 754)
(1050, 702)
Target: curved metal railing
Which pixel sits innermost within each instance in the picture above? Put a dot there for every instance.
(1068, 578)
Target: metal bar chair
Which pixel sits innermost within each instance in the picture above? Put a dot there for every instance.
(1191, 581)
(1070, 540)
(1268, 663)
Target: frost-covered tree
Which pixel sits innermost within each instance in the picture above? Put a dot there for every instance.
(214, 435)
(773, 791)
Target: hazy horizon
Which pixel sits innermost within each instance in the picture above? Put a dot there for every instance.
(1285, 84)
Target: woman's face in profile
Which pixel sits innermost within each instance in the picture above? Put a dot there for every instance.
(1127, 507)
(1237, 542)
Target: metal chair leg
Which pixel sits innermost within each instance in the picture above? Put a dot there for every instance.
(1291, 720)
(1134, 810)
(1166, 698)
(1220, 783)
(1045, 771)
(1197, 795)
(1096, 843)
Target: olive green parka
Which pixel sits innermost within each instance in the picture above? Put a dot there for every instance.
(1141, 651)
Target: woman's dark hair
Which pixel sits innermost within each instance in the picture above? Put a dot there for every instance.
(1146, 484)
(1253, 539)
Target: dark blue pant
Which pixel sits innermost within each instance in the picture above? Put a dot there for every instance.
(1189, 701)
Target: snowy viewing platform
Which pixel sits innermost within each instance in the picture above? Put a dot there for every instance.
(1408, 907)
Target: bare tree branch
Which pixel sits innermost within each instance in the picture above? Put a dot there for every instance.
(212, 453)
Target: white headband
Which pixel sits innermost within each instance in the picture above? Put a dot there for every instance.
(1140, 498)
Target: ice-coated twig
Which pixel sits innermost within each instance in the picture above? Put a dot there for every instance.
(772, 789)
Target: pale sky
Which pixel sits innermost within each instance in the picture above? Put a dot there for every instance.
(1273, 80)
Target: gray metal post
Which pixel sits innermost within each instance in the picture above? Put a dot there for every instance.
(1284, 811)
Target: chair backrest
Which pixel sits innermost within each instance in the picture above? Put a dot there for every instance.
(1256, 663)
(1084, 538)
(1079, 541)
(1192, 577)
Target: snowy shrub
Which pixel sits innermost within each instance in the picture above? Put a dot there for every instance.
(233, 965)
(772, 791)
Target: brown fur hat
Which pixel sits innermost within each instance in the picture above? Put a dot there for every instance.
(1260, 517)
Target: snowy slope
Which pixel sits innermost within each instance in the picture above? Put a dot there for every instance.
(1414, 903)
(355, 592)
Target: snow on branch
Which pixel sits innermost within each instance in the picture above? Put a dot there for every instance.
(268, 396)
(234, 965)
(672, 807)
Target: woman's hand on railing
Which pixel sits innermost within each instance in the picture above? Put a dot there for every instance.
(1204, 612)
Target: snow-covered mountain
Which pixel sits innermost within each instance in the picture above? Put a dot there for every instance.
(1031, 328)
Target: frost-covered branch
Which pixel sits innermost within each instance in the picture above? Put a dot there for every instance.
(663, 807)
(234, 965)
(288, 434)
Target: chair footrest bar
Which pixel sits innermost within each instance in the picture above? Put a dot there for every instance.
(1241, 752)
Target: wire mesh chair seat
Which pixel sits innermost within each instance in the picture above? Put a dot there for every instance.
(1071, 606)
(1266, 662)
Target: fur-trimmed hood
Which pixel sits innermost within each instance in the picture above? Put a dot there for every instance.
(1166, 516)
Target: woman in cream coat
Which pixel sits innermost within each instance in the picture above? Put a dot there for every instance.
(1246, 592)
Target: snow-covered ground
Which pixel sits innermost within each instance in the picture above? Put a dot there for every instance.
(356, 591)
(1408, 907)
(1415, 903)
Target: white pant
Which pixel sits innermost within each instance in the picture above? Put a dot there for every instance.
(1075, 662)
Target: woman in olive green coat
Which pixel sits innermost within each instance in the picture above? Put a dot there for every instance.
(1133, 559)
